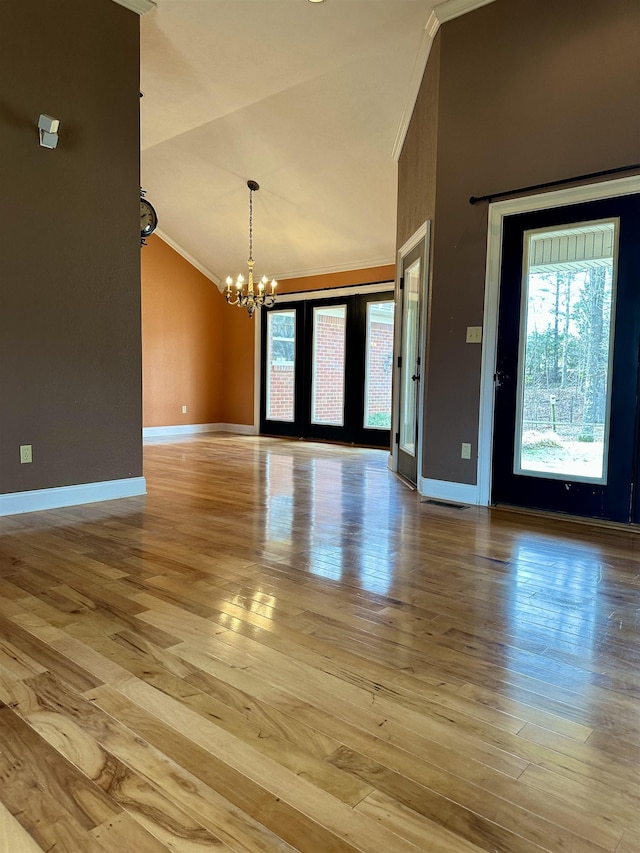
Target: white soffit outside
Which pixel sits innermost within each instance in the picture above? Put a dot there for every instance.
(139, 6)
(440, 15)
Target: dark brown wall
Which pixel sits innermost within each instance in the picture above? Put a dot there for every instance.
(417, 165)
(529, 91)
(70, 353)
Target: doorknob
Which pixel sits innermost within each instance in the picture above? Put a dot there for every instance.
(500, 377)
(415, 377)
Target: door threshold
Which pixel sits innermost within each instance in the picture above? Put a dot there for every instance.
(405, 481)
(545, 515)
(331, 441)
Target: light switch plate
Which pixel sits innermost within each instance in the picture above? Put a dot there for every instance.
(474, 334)
(466, 450)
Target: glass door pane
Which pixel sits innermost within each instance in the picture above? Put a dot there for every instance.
(566, 348)
(328, 363)
(281, 366)
(378, 365)
(410, 319)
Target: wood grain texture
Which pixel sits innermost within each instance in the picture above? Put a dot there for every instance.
(12, 835)
(283, 649)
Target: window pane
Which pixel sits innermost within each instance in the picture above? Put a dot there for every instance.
(281, 347)
(410, 305)
(327, 400)
(564, 369)
(379, 362)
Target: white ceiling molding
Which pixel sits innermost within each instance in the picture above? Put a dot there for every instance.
(440, 15)
(362, 265)
(188, 257)
(433, 25)
(414, 86)
(333, 292)
(455, 8)
(139, 6)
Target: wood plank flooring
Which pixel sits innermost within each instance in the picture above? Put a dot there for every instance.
(282, 648)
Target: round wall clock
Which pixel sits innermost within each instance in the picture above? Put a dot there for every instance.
(148, 219)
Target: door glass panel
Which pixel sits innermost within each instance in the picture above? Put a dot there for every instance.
(410, 307)
(378, 365)
(566, 347)
(281, 349)
(327, 380)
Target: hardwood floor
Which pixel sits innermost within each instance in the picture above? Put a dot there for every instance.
(283, 648)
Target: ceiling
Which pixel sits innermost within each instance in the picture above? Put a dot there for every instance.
(305, 98)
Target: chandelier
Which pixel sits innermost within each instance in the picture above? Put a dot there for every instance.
(248, 297)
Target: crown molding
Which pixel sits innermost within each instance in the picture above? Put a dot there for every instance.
(206, 272)
(433, 24)
(138, 6)
(417, 74)
(455, 8)
(347, 267)
(440, 15)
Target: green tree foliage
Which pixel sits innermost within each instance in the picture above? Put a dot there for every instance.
(567, 346)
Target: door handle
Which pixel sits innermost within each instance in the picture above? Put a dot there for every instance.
(415, 377)
(500, 377)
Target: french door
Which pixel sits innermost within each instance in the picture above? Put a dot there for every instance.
(566, 410)
(409, 363)
(326, 369)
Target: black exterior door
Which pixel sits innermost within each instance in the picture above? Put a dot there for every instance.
(566, 412)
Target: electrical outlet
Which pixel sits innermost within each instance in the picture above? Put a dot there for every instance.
(26, 454)
(184, 410)
(466, 450)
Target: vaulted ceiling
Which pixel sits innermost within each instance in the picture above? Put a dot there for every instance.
(307, 98)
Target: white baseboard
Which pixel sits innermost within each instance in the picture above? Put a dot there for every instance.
(239, 429)
(196, 429)
(178, 429)
(446, 491)
(84, 493)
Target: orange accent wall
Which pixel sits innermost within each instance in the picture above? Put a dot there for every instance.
(238, 379)
(197, 350)
(182, 347)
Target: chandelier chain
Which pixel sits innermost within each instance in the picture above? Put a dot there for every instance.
(250, 224)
